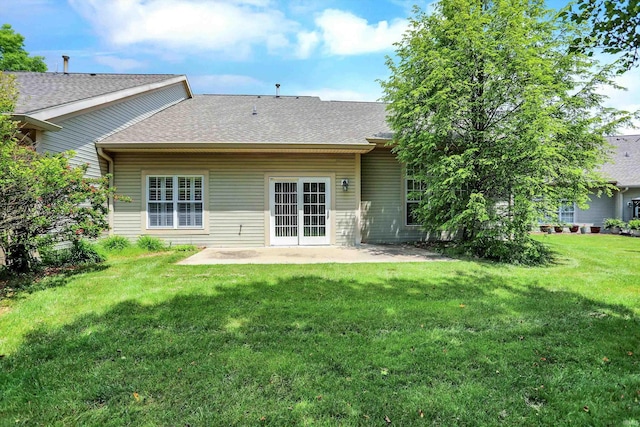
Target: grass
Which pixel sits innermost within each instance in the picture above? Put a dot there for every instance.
(148, 342)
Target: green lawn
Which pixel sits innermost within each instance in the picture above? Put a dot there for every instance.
(147, 342)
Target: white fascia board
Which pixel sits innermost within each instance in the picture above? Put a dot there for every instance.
(73, 107)
(256, 147)
(35, 123)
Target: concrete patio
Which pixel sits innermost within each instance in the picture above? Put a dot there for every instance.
(313, 255)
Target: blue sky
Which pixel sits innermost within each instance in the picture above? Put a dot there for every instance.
(334, 49)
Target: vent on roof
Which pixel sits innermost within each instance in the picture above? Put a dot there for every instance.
(277, 90)
(255, 110)
(65, 62)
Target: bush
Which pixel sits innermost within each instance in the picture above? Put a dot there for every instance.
(634, 224)
(524, 252)
(150, 243)
(611, 223)
(115, 243)
(81, 252)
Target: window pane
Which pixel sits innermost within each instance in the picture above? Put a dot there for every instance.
(161, 209)
(160, 214)
(411, 207)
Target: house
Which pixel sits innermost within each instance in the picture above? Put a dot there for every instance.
(224, 170)
(239, 170)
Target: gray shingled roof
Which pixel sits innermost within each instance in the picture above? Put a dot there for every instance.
(38, 91)
(624, 168)
(287, 119)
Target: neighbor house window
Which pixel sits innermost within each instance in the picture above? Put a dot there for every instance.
(174, 202)
(566, 213)
(414, 191)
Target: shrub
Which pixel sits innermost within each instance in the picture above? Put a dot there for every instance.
(81, 252)
(524, 252)
(115, 243)
(611, 223)
(150, 243)
(634, 224)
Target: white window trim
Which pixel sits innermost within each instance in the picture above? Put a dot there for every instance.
(174, 173)
(573, 212)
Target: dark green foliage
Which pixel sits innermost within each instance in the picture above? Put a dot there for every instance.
(150, 243)
(44, 198)
(13, 57)
(115, 243)
(496, 121)
(528, 252)
(614, 27)
(81, 252)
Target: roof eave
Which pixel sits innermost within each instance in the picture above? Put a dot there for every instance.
(83, 104)
(233, 147)
(31, 122)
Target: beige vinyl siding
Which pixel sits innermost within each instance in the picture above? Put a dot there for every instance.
(79, 132)
(600, 208)
(237, 191)
(383, 210)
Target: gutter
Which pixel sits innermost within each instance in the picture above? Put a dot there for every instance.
(109, 160)
(234, 147)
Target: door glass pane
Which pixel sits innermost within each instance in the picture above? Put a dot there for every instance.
(314, 209)
(286, 209)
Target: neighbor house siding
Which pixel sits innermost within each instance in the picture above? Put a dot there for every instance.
(600, 208)
(80, 131)
(237, 193)
(383, 201)
(627, 211)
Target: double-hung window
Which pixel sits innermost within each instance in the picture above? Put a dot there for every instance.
(566, 213)
(414, 191)
(175, 202)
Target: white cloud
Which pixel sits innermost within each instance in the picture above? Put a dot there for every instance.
(307, 41)
(229, 26)
(119, 65)
(628, 100)
(344, 33)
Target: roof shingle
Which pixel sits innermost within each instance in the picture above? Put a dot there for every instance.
(624, 166)
(286, 119)
(38, 91)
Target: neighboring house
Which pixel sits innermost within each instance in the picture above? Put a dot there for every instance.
(226, 170)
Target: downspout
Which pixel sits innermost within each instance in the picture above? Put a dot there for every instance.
(109, 161)
(620, 204)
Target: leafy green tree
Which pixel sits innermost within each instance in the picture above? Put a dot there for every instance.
(615, 27)
(499, 124)
(13, 57)
(43, 199)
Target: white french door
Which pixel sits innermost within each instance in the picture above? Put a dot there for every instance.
(299, 211)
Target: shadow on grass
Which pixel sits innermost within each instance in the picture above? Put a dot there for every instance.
(13, 286)
(470, 350)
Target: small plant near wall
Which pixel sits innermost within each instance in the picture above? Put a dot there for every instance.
(634, 226)
(559, 228)
(574, 228)
(614, 225)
